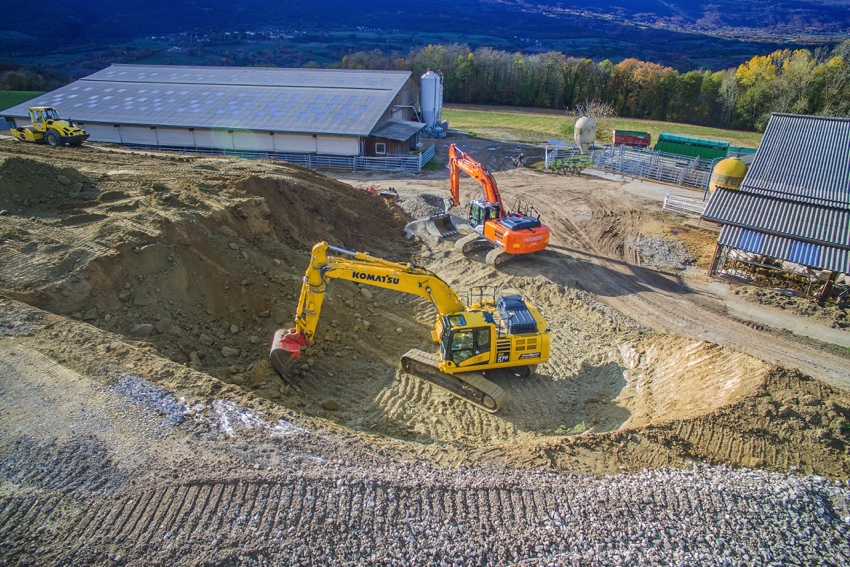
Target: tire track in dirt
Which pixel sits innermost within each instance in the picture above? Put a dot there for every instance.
(337, 516)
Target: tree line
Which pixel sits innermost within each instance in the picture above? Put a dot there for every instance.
(19, 78)
(794, 81)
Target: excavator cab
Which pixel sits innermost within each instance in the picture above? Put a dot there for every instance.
(481, 211)
(460, 342)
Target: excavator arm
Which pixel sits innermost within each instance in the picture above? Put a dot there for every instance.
(460, 161)
(358, 267)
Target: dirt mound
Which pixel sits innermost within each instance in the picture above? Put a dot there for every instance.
(789, 423)
(305, 208)
(205, 271)
(26, 183)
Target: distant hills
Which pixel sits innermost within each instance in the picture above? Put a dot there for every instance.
(682, 33)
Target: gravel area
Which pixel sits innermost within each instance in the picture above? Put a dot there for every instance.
(253, 492)
(662, 253)
(145, 393)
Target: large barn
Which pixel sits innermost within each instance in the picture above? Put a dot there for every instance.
(792, 210)
(320, 117)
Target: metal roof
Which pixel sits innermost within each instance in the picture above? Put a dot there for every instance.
(313, 101)
(794, 202)
(253, 76)
(785, 217)
(806, 158)
(399, 130)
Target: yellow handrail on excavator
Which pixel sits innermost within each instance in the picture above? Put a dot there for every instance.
(499, 333)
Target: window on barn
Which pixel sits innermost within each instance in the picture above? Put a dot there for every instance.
(380, 148)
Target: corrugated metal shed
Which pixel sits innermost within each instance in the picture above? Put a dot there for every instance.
(794, 202)
(309, 101)
(806, 158)
(805, 253)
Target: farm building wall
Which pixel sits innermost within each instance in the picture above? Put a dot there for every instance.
(404, 103)
(207, 138)
(392, 147)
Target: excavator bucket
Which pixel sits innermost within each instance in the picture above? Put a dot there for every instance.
(286, 349)
(441, 225)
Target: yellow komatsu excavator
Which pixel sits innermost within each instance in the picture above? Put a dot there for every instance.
(48, 128)
(503, 332)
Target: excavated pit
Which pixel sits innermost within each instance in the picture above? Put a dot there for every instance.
(202, 260)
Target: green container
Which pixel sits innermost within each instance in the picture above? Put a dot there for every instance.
(690, 146)
(735, 151)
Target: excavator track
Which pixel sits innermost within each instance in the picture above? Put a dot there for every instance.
(472, 387)
(472, 242)
(497, 257)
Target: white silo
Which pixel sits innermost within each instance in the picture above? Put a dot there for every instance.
(431, 98)
(584, 133)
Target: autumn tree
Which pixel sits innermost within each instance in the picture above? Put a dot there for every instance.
(756, 78)
(797, 81)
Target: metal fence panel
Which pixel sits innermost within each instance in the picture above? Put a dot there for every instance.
(407, 163)
(683, 205)
(671, 168)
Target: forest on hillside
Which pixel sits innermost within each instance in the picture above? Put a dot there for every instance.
(798, 81)
(794, 81)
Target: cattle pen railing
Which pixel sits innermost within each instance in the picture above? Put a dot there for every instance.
(671, 168)
(683, 205)
(411, 163)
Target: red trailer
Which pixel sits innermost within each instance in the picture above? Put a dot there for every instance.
(632, 138)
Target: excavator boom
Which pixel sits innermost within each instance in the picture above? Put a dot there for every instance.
(460, 161)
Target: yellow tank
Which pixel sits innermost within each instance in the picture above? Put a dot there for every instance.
(728, 174)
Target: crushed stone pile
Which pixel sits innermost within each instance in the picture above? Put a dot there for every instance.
(423, 206)
(662, 253)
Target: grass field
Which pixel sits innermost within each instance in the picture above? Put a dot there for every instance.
(8, 99)
(536, 126)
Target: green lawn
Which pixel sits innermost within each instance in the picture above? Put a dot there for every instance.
(8, 99)
(536, 126)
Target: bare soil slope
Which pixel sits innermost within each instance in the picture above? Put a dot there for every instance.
(198, 260)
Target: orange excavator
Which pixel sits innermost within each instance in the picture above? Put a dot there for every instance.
(511, 234)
